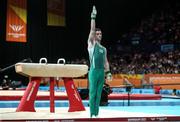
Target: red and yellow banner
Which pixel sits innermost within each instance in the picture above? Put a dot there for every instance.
(56, 12)
(16, 29)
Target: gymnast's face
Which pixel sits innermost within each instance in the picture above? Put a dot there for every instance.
(98, 36)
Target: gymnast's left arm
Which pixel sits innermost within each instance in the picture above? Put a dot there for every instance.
(107, 69)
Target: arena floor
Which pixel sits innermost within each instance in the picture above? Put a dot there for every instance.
(112, 112)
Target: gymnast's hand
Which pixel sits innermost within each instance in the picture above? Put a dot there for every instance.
(109, 76)
(93, 13)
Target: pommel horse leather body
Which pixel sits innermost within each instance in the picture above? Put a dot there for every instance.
(36, 71)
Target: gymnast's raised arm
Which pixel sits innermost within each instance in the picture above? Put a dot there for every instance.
(92, 34)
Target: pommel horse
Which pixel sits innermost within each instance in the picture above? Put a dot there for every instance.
(36, 71)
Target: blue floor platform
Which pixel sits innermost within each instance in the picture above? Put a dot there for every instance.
(112, 103)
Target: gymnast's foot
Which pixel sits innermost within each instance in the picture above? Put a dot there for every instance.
(94, 116)
(97, 116)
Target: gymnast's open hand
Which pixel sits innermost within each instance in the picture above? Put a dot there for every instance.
(93, 13)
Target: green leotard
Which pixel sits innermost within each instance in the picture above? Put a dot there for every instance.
(96, 77)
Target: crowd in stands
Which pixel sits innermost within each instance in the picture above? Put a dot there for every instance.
(140, 63)
(161, 27)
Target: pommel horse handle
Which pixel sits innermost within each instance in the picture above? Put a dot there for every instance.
(43, 59)
(58, 62)
(61, 59)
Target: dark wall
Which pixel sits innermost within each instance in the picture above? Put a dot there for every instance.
(44, 41)
(114, 17)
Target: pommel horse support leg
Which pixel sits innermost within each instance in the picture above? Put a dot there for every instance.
(27, 100)
(30, 94)
(75, 101)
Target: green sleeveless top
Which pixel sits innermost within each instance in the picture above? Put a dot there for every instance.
(97, 58)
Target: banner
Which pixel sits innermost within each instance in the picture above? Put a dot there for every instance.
(166, 81)
(56, 12)
(167, 47)
(16, 21)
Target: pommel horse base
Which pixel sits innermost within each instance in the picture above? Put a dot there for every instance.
(36, 71)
